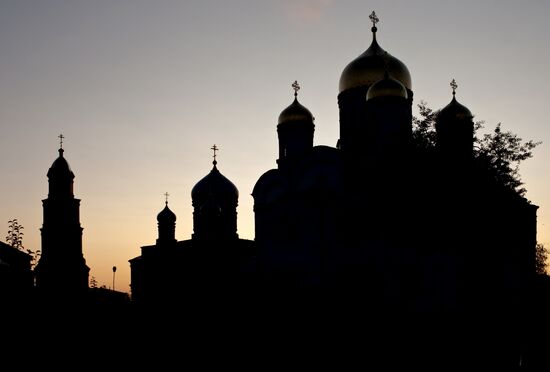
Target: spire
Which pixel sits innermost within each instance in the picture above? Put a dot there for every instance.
(296, 88)
(166, 195)
(60, 175)
(374, 19)
(214, 149)
(61, 136)
(454, 85)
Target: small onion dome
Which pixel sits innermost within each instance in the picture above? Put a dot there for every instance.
(60, 167)
(387, 87)
(295, 112)
(370, 66)
(166, 215)
(455, 110)
(214, 185)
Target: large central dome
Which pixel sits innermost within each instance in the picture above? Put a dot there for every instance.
(370, 67)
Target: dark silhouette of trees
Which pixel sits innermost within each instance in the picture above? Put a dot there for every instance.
(424, 138)
(93, 282)
(15, 239)
(541, 255)
(499, 151)
(503, 151)
(15, 234)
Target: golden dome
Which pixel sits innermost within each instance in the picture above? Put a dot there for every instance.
(455, 110)
(370, 66)
(387, 87)
(295, 112)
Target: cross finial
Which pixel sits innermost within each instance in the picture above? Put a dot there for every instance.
(214, 148)
(454, 85)
(61, 136)
(296, 88)
(374, 19)
(166, 195)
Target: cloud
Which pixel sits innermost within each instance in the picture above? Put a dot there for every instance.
(307, 11)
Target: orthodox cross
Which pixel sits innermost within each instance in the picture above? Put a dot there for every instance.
(454, 85)
(166, 195)
(61, 136)
(296, 88)
(374, 19)
(214, 148)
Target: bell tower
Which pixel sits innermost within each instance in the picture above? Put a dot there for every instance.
(62, 268)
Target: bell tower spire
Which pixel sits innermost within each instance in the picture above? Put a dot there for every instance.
(62, 268)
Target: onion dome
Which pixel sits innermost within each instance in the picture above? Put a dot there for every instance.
(387, 87)
(166, 225)
(370, 66)
(214, 185)
(295, 112)
(455, 110)
(166, 215)
(60, 167)
(60, 176)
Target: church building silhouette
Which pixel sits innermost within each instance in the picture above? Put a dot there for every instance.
(61, 270)
(375, 220)
(365, 233)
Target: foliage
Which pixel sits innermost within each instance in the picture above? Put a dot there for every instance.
(15, 235)
(93, 282)
(15, 239)
(501, 152)
(424, 137)
(35, 257)
(541, 255)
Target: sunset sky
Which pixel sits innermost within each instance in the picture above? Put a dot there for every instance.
(141, 89)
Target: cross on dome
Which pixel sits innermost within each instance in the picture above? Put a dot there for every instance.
(454, 85)
(296, 88)
(214, 149)
(374, 19)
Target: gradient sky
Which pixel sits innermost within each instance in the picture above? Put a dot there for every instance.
(142, 90)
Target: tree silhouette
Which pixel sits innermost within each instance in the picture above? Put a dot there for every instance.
(503, 151)
(15, 235)
(15, 239)
(500, 152)
(35, 256)
(541, 254)
(424, 138)
(93, 282)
